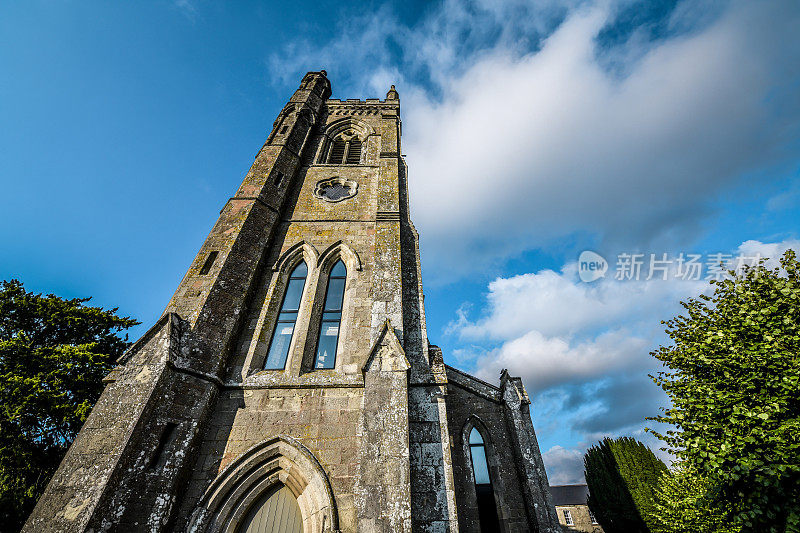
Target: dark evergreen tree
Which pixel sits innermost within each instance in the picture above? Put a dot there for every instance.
(622, 475)
(54, 354)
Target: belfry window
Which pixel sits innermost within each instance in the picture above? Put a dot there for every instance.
(287, 318)
(487, 509)
(331, 317)
(345, 149)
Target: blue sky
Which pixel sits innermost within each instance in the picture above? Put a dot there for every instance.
(533, 131)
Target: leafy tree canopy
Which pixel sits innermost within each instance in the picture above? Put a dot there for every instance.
(734, 383)
(54, 354)
(622, 475)
(680, 506)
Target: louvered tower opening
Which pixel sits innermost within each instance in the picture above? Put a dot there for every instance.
(354, 152)
(337, 152)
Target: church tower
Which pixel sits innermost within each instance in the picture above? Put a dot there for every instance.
(290, 385)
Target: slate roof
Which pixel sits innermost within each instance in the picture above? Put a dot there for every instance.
(569, 494)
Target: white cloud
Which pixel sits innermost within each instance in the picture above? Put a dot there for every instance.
(187, 7)
(524, 150)
(583, 350)
(544, 362)
(789, 199)
(552, 329)
(557, 304)
(564, 465)
(772, 250)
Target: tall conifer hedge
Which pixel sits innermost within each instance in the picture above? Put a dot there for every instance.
(622, 475)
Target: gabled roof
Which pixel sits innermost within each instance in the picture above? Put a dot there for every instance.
(473, 384)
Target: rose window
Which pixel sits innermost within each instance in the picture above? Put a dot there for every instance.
(335, 189)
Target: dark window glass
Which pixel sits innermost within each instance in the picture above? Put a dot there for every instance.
(284, 327)
(487, 509)
(484, 492)
(337, 152)
(475, 437)
(478, 452)
(354, 152)
(333, 298)
(331, 317)
(339, 270)
(294, 291)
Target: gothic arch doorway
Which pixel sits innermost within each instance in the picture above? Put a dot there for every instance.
(247, 485)
(276, 511)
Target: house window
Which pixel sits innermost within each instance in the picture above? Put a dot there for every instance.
(568, 518)
(287, 318)
(331, 317)
(592, 517)
(484, 492)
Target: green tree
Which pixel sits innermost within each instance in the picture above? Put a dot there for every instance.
(734, 382)
(622, 475)
(54, 354)
(681, 507)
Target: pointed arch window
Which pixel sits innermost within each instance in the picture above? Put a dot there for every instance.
(331, 317)
(477, 450)
(287, 318)
(487, 508)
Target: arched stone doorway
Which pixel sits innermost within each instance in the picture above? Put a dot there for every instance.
(276, 511)
(244, 486)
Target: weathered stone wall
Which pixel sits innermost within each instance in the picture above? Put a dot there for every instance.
(78, 489)
(502, 416)
(384, 482)
(527, 456)
(581, 519)
(325, 420)
(469, 403)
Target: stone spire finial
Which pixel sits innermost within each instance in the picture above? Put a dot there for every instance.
(392, 94)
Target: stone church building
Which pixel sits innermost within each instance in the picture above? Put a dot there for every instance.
(290, 385)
